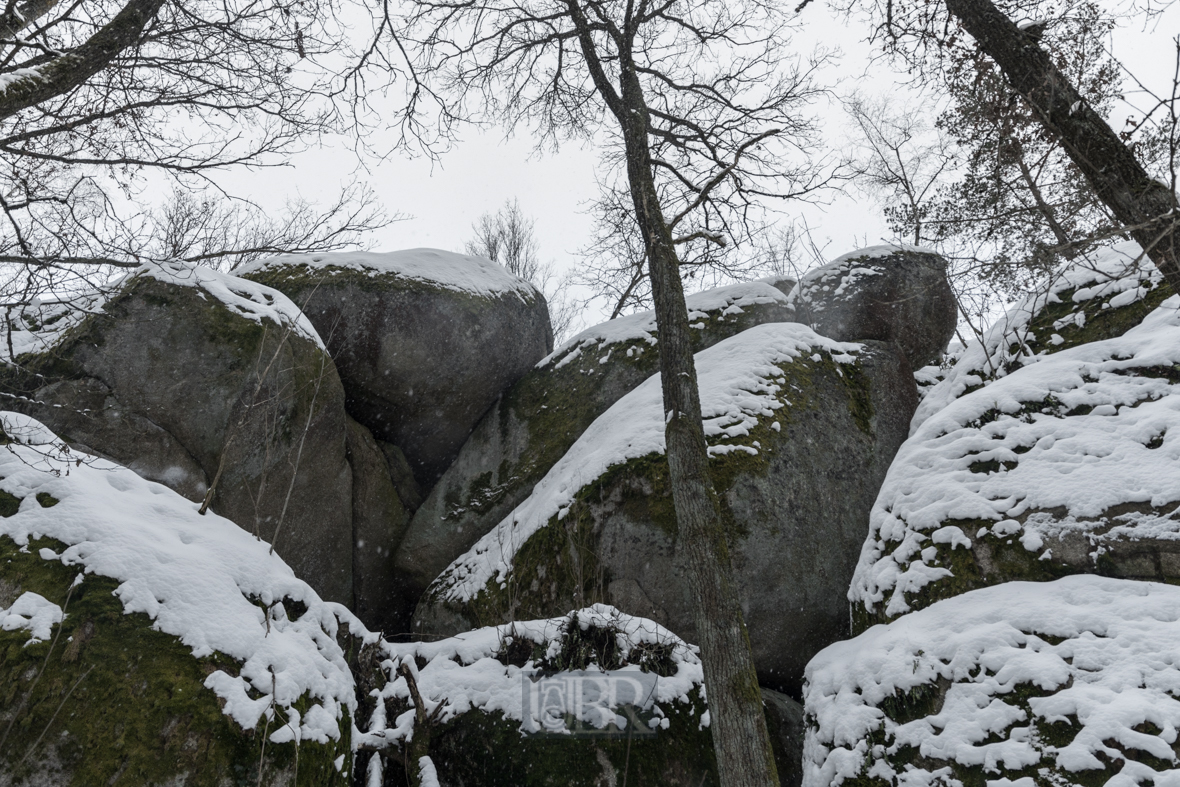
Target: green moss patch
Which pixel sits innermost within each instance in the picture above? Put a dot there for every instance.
(115, 702)
(557, 567)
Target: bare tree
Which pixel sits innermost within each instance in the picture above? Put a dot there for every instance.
(509, 238)
(905, 161)
(104, 103)
(701, 106)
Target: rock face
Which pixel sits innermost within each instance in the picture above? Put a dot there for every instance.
(801, 431)
(541, 416)
(133, 645)
(425, 340)
(486, 736)
(1065, 682)
(379, 519)
(1068, 465)
(1098, 297)
(888, 293)
(184, 373)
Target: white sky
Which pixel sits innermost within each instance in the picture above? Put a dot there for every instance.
(484, 169)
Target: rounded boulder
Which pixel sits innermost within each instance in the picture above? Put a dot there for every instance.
(801, 430)
(888, 293)
(425, 340)
(528, 429)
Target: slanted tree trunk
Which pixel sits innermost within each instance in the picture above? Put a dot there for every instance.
(737, 721)
(1147, 207)
(66, 71)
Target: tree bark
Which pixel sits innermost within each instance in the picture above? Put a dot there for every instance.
(68, 71)
(737, 721)
(1147, 207)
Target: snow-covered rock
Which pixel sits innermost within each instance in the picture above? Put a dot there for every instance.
(539, 418)
(1070, 682)
(1067, 465)
(184, 374)
(801, 429)
(891, 293)
(425, 340)
(142, 641)
(1098, 296)
(485, 690)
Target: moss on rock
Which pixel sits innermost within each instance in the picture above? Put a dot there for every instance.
(793, 489)
(173, 383)
(109, 700)
(536, 421)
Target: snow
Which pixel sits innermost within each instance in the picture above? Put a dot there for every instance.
(1069, 438)
(1115, 276)
(41, 325)
(741, 385)
(716, 303)
(199, 578)
(255, 302)
(1100, 655)
(831, 280)
(458, 272)
(464, 673)
(33, 612)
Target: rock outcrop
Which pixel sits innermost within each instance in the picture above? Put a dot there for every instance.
(801, 431)
(425, 341)
(647, 728)
(1065, 682)
(1067, 465)
(1099, 296)
(540, 417)
(186, 375)
(142, 643)
(379, 519)
(888, 293)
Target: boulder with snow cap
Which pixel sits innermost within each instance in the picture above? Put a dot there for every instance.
(425, 340)
(1069, 465)
(1100, 295)
(142, 643)
(523, 705)
(1070, 682)
(888, 293)
(540, 417)
(801, 430)
(185, 375)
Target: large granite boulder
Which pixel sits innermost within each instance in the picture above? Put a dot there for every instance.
(1070, 682)
(187, 375)
(801, 431)
(540, 417)
(1067, 465)
(142, 643)
(889, 293)
(425, 340)
(483, 730)
(1100, 295)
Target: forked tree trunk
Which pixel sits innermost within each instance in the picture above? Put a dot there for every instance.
(737, 721)
(1147, 207)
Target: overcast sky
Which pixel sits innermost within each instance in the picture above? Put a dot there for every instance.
(443, 199)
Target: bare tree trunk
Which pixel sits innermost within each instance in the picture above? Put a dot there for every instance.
(737, 721)
(1147, 207)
